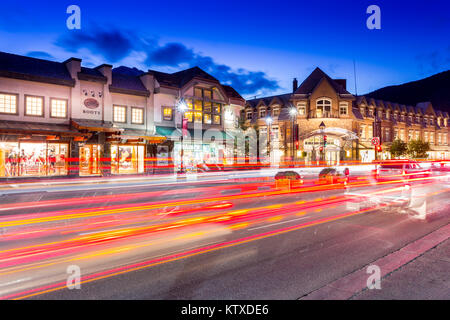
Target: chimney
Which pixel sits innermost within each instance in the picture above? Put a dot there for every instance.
(342, 83)
(294, 85)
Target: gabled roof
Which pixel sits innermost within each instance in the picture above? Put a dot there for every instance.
(33, 69)
(123, 82)
(180, 78)
(231, 93)
(311, 82)
(361, 100)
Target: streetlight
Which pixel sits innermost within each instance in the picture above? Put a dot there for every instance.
(182, 107)
(269, 121)
(293, 114)
(322, 153)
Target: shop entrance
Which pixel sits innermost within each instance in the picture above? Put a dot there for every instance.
(89, 160)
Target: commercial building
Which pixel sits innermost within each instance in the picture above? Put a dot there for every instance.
(63, 119)
(321, 108)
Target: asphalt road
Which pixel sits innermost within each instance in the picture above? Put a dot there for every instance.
(215, 240)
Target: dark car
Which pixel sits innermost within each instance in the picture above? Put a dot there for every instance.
(333, 175)
(293, 178)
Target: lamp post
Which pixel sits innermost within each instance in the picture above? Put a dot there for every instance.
(182, 107)
(322, 153)
(293, 114)
(269, 122)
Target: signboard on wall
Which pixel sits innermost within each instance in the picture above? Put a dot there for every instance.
(91, 101)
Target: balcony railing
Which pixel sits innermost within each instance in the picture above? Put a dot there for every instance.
(323, 115)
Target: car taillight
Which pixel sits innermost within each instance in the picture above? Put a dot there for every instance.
(404, 172)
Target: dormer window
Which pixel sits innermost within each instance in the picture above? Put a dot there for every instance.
(262, 113)
(323, 108)
(249, 115)
(343, 108)
(276, 112)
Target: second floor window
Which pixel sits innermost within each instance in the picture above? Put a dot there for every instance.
(120, 114)
(8, 103)
(137, 115)
(249, 115)
(58, 108)
(323, 108)
(262, 113)
(343, 106)
(167, 113)
(34, 106)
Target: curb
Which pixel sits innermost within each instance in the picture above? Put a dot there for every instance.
(355, 282)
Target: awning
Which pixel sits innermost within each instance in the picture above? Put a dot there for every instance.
(175, 134)
(39, 129)
(142, 134)
(94, 125)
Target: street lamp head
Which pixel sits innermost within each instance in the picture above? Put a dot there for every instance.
(181, 105)
(322, 126)
(269, 120)
(292, 111)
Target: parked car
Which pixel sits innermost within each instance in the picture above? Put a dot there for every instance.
(400, 170)
(334, 175)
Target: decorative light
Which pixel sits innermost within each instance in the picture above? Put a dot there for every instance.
(269, 120)
(292, 111)
(182, 105)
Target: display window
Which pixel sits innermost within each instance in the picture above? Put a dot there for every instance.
(127, 159)
(24, 159)
(195, 154)
(89, 160)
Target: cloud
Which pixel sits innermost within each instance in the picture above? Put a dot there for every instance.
(177, 55)
(40, 55)
(112, 44)
(115, 45)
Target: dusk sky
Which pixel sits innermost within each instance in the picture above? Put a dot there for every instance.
(258, 47)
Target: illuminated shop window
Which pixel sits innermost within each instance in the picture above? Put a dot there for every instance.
(189, 115)
(34, 106)
(58, 108)
(207, 118)
(137, 115)
(120, 114)
(8, 103)
(216, 119)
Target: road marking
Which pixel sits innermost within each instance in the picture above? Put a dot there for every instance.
(274, 224)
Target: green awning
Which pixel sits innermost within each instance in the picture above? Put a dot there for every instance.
(176, 133)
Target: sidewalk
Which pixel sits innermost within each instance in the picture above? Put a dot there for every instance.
(425, 278)
(420, 270)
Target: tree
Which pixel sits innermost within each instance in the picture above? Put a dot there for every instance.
(418, 149)
(398, 148)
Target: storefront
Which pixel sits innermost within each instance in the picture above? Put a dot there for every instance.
(197, 153)
(28, 159)
(127, 158)
(90, 160)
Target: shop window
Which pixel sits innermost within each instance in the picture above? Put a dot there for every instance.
(127, 159)
(207, 107)
(120, 114)
(33, 159)
(198, 105)
(217, 119)
(216, 108)
(189, 104)
(189, 115)
(34, 106)
(58, 108)
(207, 118)
(137, 115)
(198, 117)
(167, 113)
(8, 103)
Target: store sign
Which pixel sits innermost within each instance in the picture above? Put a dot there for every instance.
(91, 98)
(91, 103)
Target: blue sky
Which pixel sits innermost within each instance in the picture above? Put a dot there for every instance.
(256, 46)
